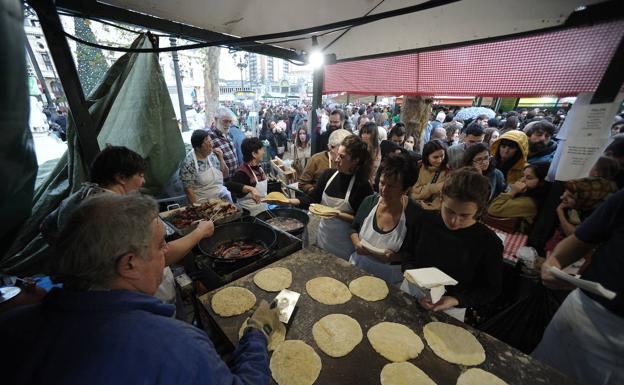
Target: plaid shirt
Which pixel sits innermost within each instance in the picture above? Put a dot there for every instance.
(227, 146)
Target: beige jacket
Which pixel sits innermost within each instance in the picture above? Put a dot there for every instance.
(316, 165)
(427, 193)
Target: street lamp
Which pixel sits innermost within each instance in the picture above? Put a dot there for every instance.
(243, 62)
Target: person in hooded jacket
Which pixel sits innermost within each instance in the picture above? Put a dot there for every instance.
(510, 153)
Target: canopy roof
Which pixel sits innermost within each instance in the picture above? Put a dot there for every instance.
(444, 22)
(560, 63)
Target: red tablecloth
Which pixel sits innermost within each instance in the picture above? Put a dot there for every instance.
(511, 244)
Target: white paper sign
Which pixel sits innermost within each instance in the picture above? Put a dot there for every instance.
(584, 136)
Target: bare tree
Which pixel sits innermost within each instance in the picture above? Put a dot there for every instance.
(211, 82)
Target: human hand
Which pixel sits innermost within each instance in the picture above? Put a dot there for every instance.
(444, 303)
(550, 281)
(218, 152)
(359, 248)
(390, 256)
(517, 188)
(264, 319)
(205, 228)
(254, 193)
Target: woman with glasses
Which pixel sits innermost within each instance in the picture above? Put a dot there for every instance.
(478, 156)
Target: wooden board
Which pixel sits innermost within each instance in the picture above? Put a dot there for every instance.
(363, 365)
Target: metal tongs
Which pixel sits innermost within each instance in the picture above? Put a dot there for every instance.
(285, 301)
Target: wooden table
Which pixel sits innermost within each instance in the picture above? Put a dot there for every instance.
(363, 365)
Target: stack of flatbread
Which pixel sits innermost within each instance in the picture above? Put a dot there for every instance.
(323, 211)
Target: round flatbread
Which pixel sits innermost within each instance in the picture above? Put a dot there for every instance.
(273, 279)
(277, 336)
(394, 341)
(369, 288)
(337, 334)
(232, 301)
(328, 291)
(404, 373)
(453, 344)
(476, 376)
(275, 196)
(295, 363)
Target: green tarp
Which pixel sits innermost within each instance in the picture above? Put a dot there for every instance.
(18, 165)
(130, 107)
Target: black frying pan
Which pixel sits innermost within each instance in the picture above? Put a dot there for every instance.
(287, 212)
(238, 231)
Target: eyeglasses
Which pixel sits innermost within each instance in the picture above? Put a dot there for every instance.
(481, 160)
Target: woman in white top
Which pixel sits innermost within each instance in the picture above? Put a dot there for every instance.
(203, 170)
(381, 223)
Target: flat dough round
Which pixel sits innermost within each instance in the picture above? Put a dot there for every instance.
(394, 341)
(328, 291)
(273, 279)
(233, 301)
(295, 363)
(369, 288)
(276, 337)
(454, 344)
(337, 334)
(404, 373)
(476, 376)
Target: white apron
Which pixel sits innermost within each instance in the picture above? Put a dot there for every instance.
(247, 202)
(584, 340)
(210, 182)
(391, 241)
(333, 234)
(166, 290)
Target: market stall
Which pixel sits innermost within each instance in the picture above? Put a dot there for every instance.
(363, 364)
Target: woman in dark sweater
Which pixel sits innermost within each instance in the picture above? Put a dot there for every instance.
(455, 242)
(343, 188)
(383, 220)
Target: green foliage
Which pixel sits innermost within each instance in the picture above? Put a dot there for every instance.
(91, 62)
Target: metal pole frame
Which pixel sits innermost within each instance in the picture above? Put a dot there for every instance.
(176, 70)
(318, 77)
(33, 60)
(613, 78)
(64, 63)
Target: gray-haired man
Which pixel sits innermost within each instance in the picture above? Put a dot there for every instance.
(105, 326)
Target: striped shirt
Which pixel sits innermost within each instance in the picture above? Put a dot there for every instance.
(227, 146)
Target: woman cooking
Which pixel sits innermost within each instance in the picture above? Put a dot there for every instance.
(343, 188)
(383, 219)
(251, 174)
(119, 170)
(203, 169)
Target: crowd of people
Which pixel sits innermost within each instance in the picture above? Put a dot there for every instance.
(397, 204)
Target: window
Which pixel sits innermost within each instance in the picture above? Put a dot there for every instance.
(46, 61)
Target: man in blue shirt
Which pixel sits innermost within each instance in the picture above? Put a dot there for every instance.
(105, 326)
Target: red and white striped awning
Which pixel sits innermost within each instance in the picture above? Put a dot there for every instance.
(560, 63)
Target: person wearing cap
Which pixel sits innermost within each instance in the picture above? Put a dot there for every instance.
(105, 326)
